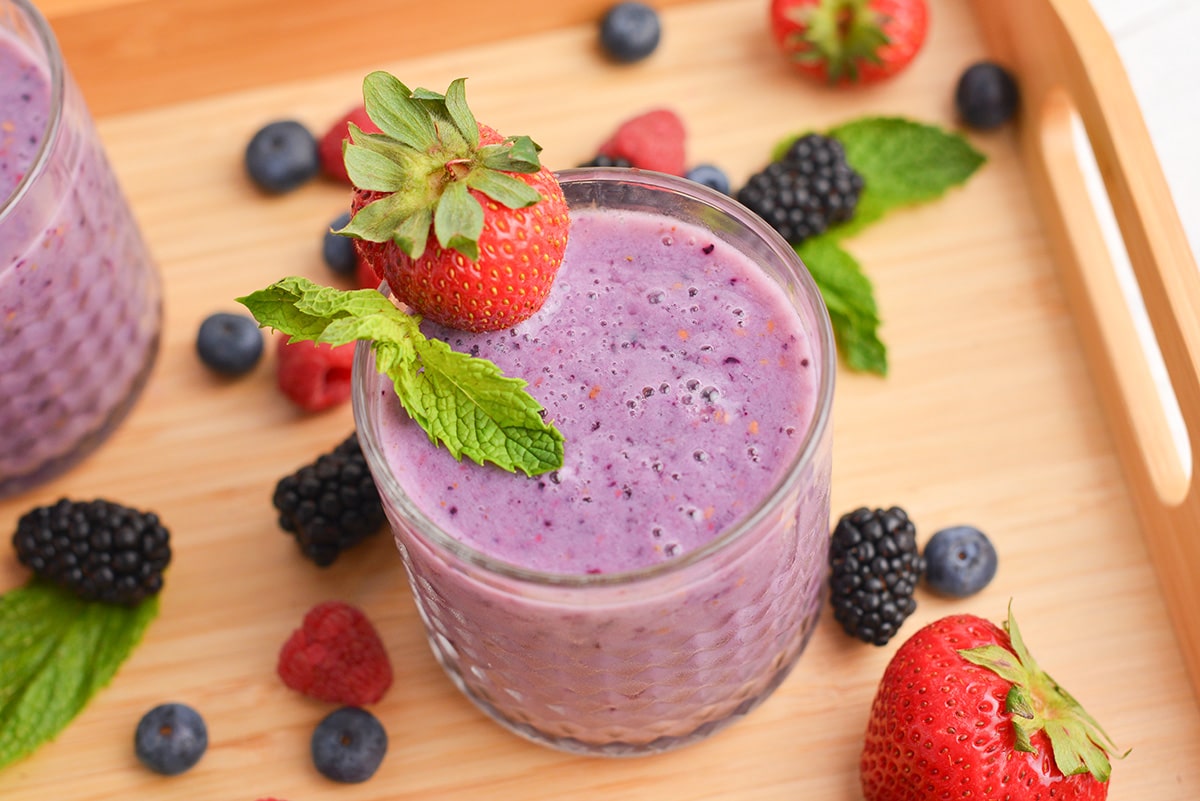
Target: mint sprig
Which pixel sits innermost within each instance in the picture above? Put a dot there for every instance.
(902, 163)
(850, 299)
(463, 402)
(56, 653)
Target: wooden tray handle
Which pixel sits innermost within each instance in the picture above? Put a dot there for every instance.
(1068, 69)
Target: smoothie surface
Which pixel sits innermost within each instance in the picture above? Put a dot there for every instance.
(683, 383)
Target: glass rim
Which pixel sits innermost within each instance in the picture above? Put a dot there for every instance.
(824, 350)
(54, 60)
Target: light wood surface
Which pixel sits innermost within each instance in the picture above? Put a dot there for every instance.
(999, 410)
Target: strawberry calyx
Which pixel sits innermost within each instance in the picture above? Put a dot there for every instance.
(1037, 702)
(841, 34)
(426, 159)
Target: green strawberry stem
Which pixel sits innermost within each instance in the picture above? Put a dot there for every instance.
(426, 157)
(1037, 702)
(462, 402)
(840, 34)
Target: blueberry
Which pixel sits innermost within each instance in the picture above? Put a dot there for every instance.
(986, 96)
(630, 31)
(170, 739)
(281, 156)
(337, 250)
(710, 176)
(348, 745)
(229, 343)
(959, 561)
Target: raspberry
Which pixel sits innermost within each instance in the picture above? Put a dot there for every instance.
(336, 656)
(650, 141)
(331, 504)
(875, 567)
(329, 148)
(314, 376)
(99, 550)
(811, 188)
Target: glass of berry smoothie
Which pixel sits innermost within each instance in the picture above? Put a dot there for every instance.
(664, 581)
(80, 298)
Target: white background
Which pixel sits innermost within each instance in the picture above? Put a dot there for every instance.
(1159, 42)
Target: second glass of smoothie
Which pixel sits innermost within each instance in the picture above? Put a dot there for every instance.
(664, 581)
(80, 297)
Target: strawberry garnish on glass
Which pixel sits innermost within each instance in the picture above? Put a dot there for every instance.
(465, 225)
(964, 711)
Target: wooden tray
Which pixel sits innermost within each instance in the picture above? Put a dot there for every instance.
(1018, 400)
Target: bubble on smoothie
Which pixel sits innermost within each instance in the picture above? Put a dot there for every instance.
(656, 297)
(668, 240)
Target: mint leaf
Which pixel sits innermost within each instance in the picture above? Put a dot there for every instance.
(56, 653)
(490, 412)
(850, 298)
(462, 402)
(902, 163)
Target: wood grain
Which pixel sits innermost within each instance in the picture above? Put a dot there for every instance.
(136, 54)
(993, 415)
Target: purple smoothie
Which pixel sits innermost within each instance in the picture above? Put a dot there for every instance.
(677, 558)
(79, 296)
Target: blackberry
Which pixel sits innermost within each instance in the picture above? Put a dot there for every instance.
(875, 567)
(331, 504)
(809, 189)
(98, 550)
(602, 160)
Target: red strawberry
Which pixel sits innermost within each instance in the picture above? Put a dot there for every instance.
(314, 376)
(850, 41)
(650, 141)
(329, 148)
(465, 225)
(963, 711)
(336, 656)
(365, 275)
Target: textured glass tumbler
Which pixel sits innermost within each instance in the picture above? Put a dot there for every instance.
(80, 298)
(651, 659)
